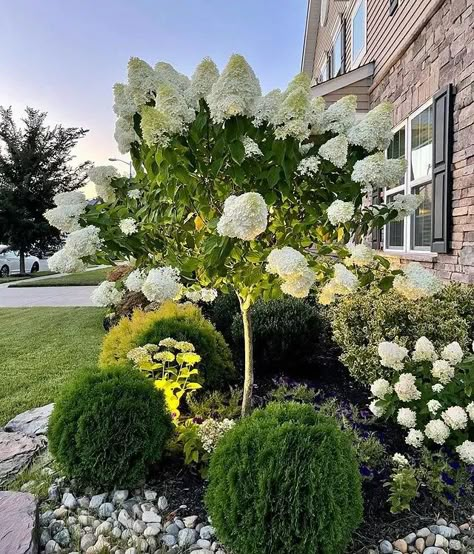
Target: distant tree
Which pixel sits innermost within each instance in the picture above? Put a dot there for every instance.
(34, 167)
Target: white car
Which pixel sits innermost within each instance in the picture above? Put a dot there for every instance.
(10, 262)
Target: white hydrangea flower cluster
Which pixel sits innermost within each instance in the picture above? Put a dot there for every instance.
(335, 150)
(125, 134)
(340, 212)
(106, 295)
(405, 205)
(102, 177)
(291, 266)
(211, 431)
(162, 284)
(124, 105)
(135, 280)
(308, 166)
(340, 116)
(417, 282)
(244, 217)
(361, 255)
(134, 194)
(128, 226)
(455, 417)
(470, 410)
(380, 388)
(201, 295)
(202, 81)
(165, 73)
(374, 132)
(415, 438)
(437, 431)
(405, 388)
(400, 460)
(406, 418)
(453, 353)
(376, 170)
(466, 452)
(392, 355)
(424, 351)
(141, 81)
(437, 388)
(343, 283)
(442, 371)
(84, 242)
(434, 406)
(69, 207)
(267, 107)
(252, 150)
(378, 411)
(64, 261)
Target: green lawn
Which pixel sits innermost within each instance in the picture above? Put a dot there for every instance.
(40, 349)
(13, 278)
(93, 277)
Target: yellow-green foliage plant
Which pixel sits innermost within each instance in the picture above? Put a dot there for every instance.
(182, 322)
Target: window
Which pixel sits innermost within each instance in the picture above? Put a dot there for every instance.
(413, 141)
(324, 12)
(324, 73)
(337, 54)
(358, 32)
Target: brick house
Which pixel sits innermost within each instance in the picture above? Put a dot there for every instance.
(419, 55)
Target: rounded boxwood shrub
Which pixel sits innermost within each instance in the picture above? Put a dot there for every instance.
(108, 426)
(284, 479)
(181, 322)
(288, 334)
(361, 321)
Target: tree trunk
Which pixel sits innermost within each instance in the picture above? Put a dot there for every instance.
(248, 346)
(22, 262)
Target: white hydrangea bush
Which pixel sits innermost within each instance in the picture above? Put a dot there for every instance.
(431, 395)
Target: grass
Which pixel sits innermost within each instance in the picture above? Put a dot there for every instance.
(93, 277)
(41, 349)
(13, 278)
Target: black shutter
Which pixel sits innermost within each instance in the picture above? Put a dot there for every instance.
(343, 45)
(392, 7)
(376, 233)
(442, 176)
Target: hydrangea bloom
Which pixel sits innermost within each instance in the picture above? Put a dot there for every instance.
(102, 176)
(286, 262)
(308, 166)
(166, 73)
(210, 431)
(437, 388)
(305, 148)
(453, 353)
(293, 116)
(201, 295)
(455, 417)
(134, 194)
(84, 242)
(399, 459)
(162, 284)
(340, 212)
(252, 149)
(380, 388)
(392, 355)
(106, 294)
(378, 411)
(437, 431)
(406, 418)
(141, 81)
(416, 282)
(466, 452)
(135, 280)
(405, 388)
(335, 150)
(345, 280)
(235, 92)
(124, 106)
(376, 170)
(340, 116)
(434, 406)
(405, 205)
(125, 134)
(65, 218)
(374, 132)
(128, 226)
(204, 77)
(414, 438)
(244, 217)
(64, 261)
(267, 108)
(299, 285)
(442, 371)
(317, 107)
(424, 351)
(470, 410)
(361, 255)
(70, 198)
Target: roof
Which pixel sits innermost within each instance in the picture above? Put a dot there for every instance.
(310, 36)
(357, 82)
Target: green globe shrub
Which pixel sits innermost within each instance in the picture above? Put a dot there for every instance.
(362, 320)
(108, 426)
(286, 480)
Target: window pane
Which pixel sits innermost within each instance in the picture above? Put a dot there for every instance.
(421, 144)
(336, 58)
(396, 150)
(395, 235)
(421, 220)
(358, 31)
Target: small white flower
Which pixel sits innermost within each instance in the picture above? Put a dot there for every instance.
(455, 417)
(442, 371)
(201, 295)
(452, 353)
(380, 388)
(466, 452)
(244, 217)
(434, 406)
(162, 284)
(406, 418)
(135, 280)
(406, 389)
(106, 294)
(470, 410)
(417, 282)
(414, 438)
(134, 194)
(211, 431)
(308, 166)
(437, 431)
(424, 351)
(128, 226)
(405, 205)
(252, 149)
(392, 355)
(376, 410)
(340, 212)
(400, 459)
(335, 150)
(437, 388)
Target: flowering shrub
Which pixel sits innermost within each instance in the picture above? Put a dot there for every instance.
(226, 176)
(430, 395)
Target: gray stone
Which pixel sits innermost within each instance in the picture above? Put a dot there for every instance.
(53, 492)
(55, 526)
(125, 519)
(116, 533)
(423, 533)
(46, 518)
(150, 496)
(52, 547)
(69, 501)
(151, 517)
(18, 522)
(84, 502)
(139, 527)
(207, 532)
(385, 547)
(87, 541)
(152, 530)
(97, 500)
(32, 422)
(131, 551)
(441, 542)
(120, 496)
(190, 521)
(162, 503)
(105, 528)
(63, 538)
(179, 523)
(455, 545)
(434, 550)
(430, 539)
(172, 529)
(61, 512)
(410, 539)
(187, 537)
(16, 452)
(84, 520)
(44, 537)
(106, 510)
(203, 543)
(168, 540)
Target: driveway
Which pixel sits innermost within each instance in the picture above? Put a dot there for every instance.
(26, 297)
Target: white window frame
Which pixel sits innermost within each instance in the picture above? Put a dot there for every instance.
(407, 187)
(325, 69)
(355, 62)
(335, 35)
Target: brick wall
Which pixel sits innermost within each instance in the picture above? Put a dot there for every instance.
(443, 53)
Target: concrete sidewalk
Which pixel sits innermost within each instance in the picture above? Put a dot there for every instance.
(26, 297)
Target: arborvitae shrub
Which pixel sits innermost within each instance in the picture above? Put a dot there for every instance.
(284, 479)
(108, 426)
(180, 322)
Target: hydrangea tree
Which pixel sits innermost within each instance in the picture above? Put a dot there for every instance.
(235, 190)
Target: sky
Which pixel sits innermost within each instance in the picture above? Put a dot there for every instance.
(63, 56)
